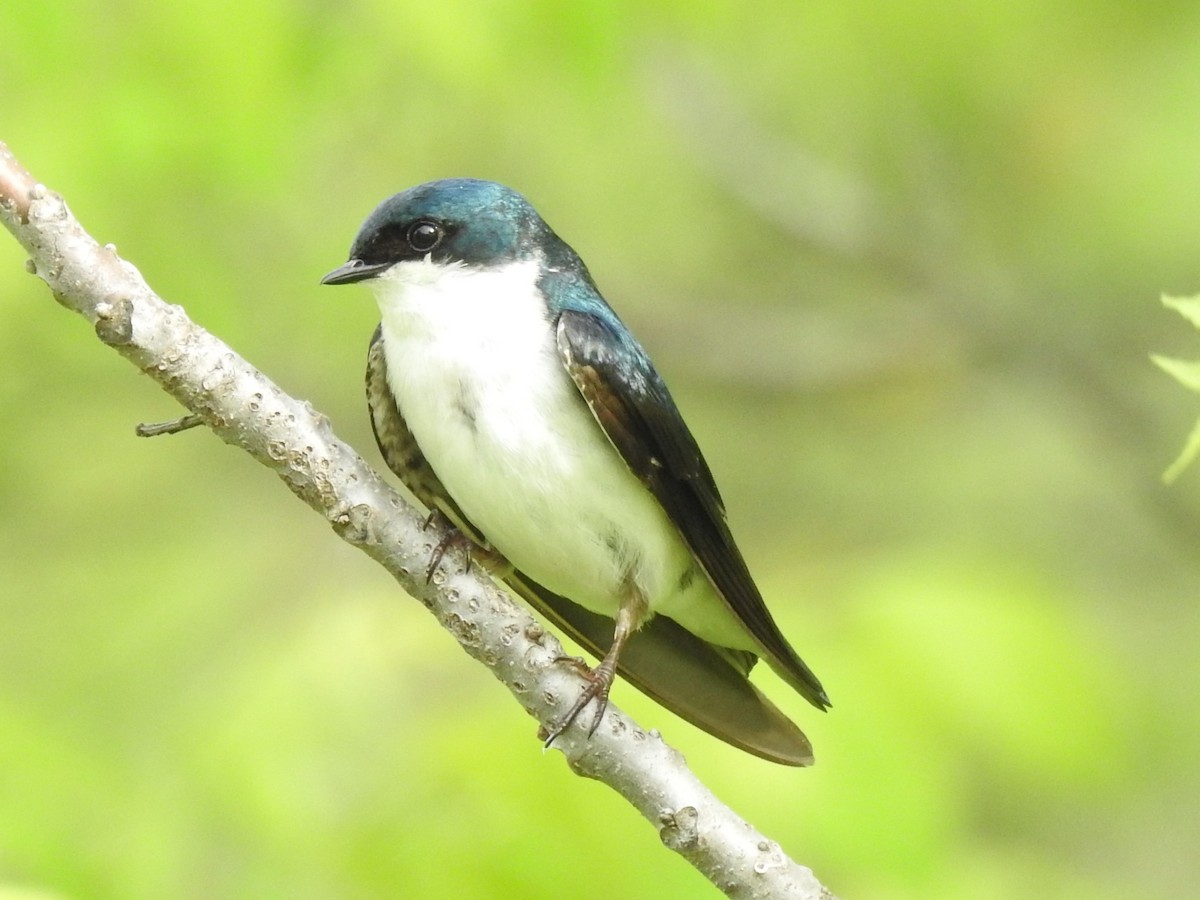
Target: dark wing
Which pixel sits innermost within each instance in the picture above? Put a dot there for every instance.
(704, 684)
(635, 410)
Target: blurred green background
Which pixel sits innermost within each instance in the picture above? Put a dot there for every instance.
(900, 264)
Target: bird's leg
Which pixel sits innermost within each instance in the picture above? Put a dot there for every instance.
(600, 679)
(454, 537)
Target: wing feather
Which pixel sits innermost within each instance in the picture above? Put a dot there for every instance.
(633, 407)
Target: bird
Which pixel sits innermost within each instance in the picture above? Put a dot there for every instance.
(509, 398)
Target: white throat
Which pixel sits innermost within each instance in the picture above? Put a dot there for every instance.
(456, 302)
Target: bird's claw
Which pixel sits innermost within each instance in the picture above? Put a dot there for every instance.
(453, 537)
(490, 559)
(599, 683)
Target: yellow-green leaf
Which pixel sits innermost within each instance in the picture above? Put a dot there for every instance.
(1188, 307)
(1185, 372)
(1190, 451)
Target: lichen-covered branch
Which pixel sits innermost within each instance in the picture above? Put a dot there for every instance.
(246, 409)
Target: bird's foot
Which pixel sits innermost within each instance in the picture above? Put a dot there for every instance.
(452, 538)
(599, 683)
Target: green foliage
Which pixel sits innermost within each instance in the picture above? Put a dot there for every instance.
(1186, 373)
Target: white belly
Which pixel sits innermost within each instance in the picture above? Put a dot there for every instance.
(473, 364)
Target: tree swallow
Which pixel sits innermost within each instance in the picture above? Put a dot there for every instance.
(507, 395)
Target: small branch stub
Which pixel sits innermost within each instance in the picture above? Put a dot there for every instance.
(114, 322)
(174, 426)
(680, 831)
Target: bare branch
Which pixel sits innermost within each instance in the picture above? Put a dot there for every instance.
(247, 410)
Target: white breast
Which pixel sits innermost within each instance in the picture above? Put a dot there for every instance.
(475, 370)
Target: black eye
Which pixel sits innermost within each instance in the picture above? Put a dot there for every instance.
(424, 236)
